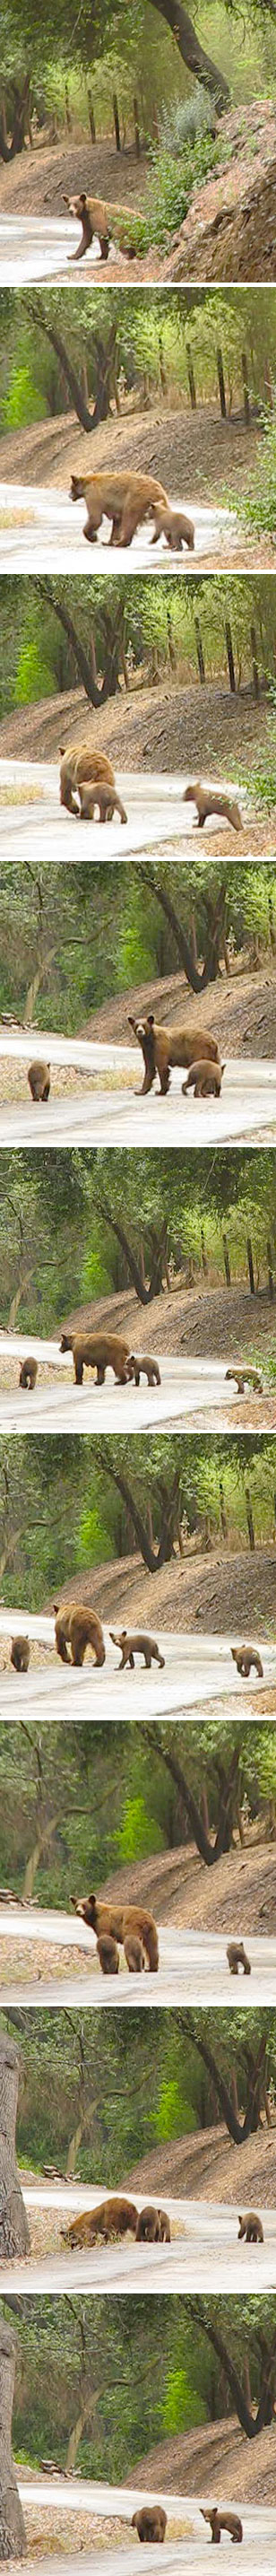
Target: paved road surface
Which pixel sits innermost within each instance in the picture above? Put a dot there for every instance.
(246, 1110)
(199, 1675)
(204, 2257)
(193, 1967)
(41, 829)
(41, 531)
(259, 2529)
(188, 1390)
(39, 248)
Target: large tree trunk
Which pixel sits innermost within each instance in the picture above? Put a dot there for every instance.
(209, 1852)
(251, 2424)
(191, 51)
(184, 951)
(86, 667)
(13, 2541)
(22, 110)
(239, 2129)
(14, 2231)
(105, 365)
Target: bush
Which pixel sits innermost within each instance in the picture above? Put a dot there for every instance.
(172, 184)
(185, 120)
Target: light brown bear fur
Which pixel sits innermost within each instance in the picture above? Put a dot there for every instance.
(108, 1955)
(210, 800)
(204, 1078)
(100, 218)
(20, 1654)
(134, 1643)
(123, 498)
(79, 761)
(39, 1079)
(221, 2522)
(251, 2228)
(171, 1046)
(28, 1373)
(243, 1657)
(112, 2218)
(148, 2225)
(173, 524)
(95, 793)
(141, 1367)
(150, 2521)
(78, 1627)
(237, 1958)
(121, 1920)
(99, 1351)
(246, 1377)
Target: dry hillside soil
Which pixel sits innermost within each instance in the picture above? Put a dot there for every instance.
(180, 1890)
(239, 1010)
(226, 1589)
(206, 2165)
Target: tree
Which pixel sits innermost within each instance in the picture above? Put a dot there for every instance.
(228, 1792)
(14, 2230)
(239, 2127)
(13, 2540)
(182, 28)
(251, 2424)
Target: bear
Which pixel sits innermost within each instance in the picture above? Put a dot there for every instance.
(39, 1079)
(78, 1627)
(20, 1654)
(28, 1373)
(120, 1920)
(136, 1643)
(150, 2521)
(251, 2228)
(237, 1958)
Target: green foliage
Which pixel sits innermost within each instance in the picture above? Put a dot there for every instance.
(173, 184)
(174, 2117)
(33, 674)
(23, 401)
(183, 2405)
(139, 1832)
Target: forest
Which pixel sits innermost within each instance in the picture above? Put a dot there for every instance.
(178, 2364)
(83, 1805)
(73, 92)
(107, 2132)
(140, 376)
(181, 675)
(150, 936)
(180, 1509)
(100, 1236)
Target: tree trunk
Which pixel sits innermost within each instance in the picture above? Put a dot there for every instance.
(86, 669)
(184, 951)
(133, 1266)
(13, 2539)
(14, 2231)
(191, 51)
(238, 2128)
(209, 1852)
(250, 2423)
(8, 150)
(151, 1556)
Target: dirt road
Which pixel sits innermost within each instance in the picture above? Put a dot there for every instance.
(198, 1674)
(192, 1968)
(203, 2255)
(245, 1111)
(41, 532)
(34, 826)
(189, 1392)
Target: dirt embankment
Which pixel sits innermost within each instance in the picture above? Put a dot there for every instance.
(239, 1010)
(181, 1890)
(213, 2456)
(208, 2166)
(232, 1592)
(35, 182)
(194, 1322)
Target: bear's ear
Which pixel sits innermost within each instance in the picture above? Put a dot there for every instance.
(150, 1019)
